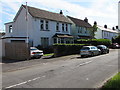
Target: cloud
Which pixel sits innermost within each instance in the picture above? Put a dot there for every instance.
(102, 11)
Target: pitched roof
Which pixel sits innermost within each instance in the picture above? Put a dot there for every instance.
(38, 13)
(107, 29)
(80, 22)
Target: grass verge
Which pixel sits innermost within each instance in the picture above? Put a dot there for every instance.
(48, 54)
(113, 83)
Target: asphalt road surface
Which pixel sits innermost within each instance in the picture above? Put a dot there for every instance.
(73, 72)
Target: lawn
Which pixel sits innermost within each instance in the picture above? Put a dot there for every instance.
(48, 54)
(113, 83)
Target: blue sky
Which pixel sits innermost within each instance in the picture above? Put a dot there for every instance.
(102, 11)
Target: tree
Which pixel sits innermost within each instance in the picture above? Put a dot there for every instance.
(117, 39)
(94, 29)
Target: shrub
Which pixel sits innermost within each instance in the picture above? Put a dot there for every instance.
(106, 42)
(46, 50)
(66, 49)
(95, 42)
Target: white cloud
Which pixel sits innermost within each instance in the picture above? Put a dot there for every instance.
(102, 11)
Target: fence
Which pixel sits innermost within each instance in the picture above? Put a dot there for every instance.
(17, 50)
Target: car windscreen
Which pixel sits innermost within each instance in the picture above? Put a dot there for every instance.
(33, 49)
(99, 47)
(85, 48)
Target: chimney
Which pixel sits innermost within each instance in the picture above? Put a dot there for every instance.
(95, 23)
(61, 12)
(86, 20)
(105, 26)
(116, 27)
(113, 28)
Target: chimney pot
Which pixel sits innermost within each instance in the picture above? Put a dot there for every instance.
(86, 20)
(116, 27)
(113, 28)
(105, 26)
(95, 23)
(61, 12)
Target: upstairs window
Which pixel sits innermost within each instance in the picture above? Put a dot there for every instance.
(62, 27)
(47, 25)
(42, 24)
(57, 26)
(10, 29)
(66, 27)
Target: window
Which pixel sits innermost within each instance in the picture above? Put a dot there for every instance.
(85, 31)
(57, 26)
(42, 25)
(55, 40)
(62, 40)
(66, 27)
(62, 27)
(59, 40)
(10, 29)
(44, 41)
(46, 25)
(80, 29)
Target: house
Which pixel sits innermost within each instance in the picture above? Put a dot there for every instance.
(105, 33)
(81, 29)
(38, 27)
(119, 15)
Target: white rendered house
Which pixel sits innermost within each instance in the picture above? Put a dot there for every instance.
(105, 33)
(41, 27)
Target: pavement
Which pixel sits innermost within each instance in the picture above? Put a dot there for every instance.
(13, 65)
(64, 72)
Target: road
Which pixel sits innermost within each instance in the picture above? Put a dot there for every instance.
(73, 72)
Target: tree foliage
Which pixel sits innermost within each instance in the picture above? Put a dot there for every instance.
(94, 29)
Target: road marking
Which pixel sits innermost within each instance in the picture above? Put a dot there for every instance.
(84, 63)
(23, 82)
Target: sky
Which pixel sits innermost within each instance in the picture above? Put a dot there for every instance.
(102, 11)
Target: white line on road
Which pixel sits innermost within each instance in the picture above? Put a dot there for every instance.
(84, 63)
(23, 82)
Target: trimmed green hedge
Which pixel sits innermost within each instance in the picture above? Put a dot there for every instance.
(67, 49)
(95, 42)
(106, 42)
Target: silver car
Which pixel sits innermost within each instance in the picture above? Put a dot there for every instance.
(89, 51)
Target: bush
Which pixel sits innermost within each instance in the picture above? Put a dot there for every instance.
(106, 42)
(46, 50)
(67, 49)
(95, 42)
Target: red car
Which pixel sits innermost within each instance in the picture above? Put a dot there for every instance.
(115, 45)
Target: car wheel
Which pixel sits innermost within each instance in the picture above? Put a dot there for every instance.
(82, 56)
(39, 57)
(92, 54)
(99, 53)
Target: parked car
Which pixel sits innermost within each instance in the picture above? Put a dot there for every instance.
(104, 49)
(115, 45)
(89, 51)
(35, 53)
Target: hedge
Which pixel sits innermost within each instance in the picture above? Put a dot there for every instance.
(106, 42)
(67, 49)
(95, 42)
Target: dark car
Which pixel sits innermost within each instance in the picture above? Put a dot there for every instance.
(104, 49)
